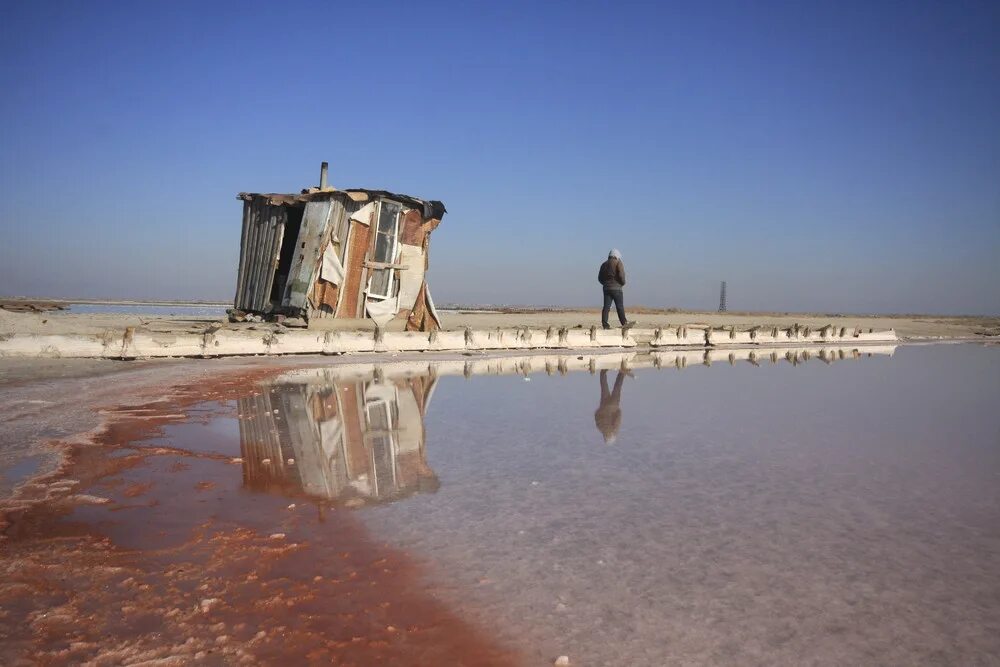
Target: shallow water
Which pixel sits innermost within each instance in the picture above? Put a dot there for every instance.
(171, 310)
(838, 509)
(842, 514)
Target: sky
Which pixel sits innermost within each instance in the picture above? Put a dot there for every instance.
(818, 156)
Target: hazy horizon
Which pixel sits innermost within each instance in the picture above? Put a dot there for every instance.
(526, 306)
(818, 158)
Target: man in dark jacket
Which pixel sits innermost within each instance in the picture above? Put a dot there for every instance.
(612, 278)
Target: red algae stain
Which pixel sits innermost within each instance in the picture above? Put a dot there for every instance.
(136, 489)
(136, 553)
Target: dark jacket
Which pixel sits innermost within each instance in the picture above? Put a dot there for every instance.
(612, 274)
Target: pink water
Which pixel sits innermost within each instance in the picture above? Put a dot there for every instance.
(808, 513)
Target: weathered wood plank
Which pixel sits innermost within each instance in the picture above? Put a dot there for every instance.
(386, 265)
(358, 237)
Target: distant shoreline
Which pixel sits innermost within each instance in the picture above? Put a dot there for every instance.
(643, 310)
(45, 303)
(57, 303)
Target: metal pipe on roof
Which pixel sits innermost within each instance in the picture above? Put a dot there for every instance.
(322, 175)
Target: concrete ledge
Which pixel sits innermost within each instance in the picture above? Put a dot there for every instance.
(561, 363)
(446, 340)
(404, 341)
(795, 335)
(668, 336)
(341, 342)
(219, 341)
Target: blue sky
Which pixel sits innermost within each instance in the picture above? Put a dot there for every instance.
(819, 156)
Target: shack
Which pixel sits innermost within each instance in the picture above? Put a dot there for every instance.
(329, 253)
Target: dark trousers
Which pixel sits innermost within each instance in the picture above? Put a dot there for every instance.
(619, 300)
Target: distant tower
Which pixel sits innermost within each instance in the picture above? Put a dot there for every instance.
(722, 298)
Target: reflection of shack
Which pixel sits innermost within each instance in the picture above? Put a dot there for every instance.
(338, 439)
(327, 253)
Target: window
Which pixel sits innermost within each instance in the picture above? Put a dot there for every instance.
(386, 238)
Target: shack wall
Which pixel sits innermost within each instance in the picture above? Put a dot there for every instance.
(260, 249)
(325, 296)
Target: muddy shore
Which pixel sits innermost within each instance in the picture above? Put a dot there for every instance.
(212, 586)
(47, 403)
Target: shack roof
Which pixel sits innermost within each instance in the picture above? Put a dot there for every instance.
(431, 208)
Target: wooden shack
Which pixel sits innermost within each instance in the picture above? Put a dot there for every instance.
(329, 253)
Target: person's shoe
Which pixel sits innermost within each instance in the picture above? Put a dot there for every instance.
(606, 326)
(628, 325)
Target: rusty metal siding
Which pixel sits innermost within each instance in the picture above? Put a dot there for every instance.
(263, 228)
(247, 253)
(274, 228)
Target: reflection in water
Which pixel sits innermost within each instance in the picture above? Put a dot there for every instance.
(824, 509)
(608, 416)
(348, 439)
(355, 432)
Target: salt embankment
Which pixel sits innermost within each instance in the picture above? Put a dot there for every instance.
(218, 340)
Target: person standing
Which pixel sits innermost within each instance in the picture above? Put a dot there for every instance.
(612, 278)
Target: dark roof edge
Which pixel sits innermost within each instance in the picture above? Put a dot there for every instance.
(432, 208)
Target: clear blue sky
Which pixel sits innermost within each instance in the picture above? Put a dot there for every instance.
(830, 156)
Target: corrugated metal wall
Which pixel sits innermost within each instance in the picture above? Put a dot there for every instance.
(260, 248)
(260, 251)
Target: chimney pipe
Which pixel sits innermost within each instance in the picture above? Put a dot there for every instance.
(322, 176)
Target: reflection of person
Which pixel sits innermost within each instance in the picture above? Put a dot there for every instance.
(608, 416)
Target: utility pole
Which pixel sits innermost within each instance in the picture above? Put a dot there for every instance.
(722, 298)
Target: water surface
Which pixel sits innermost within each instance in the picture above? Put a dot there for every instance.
(169, 310)
(829, 507)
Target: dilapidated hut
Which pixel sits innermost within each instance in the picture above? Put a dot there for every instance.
(329, 253)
